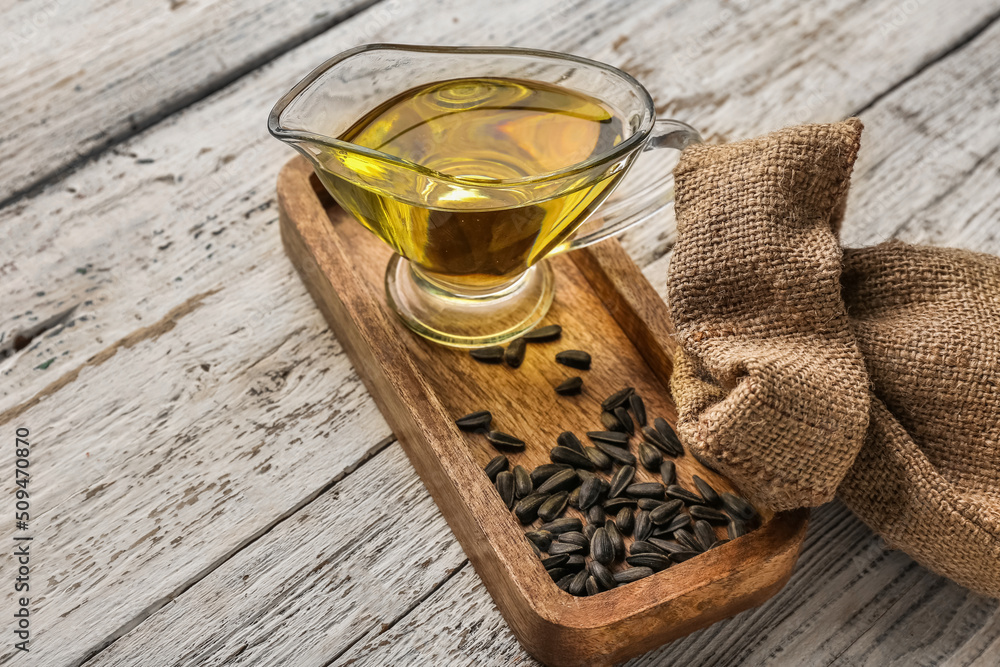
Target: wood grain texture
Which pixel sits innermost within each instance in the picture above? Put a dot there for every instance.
(201, 212)
(81, 74)
(422, 387)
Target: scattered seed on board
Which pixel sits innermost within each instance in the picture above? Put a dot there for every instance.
(653, 437)
(625, 520)
(736, 528)
(574, 498)
(602, 574)
(557, 548)
(679, 492)
(601, 460)
(615, 505)
(543, 334)
(628, 575)
(618, 454)
(560, 526)
(705, 534)
(641, 547)
(591, 586)
(654, 561)
(544, 471)
(574, 359)
(505, 487)
(540, 538)
(488, 355)
(596, 515)
(570, 386)
(616, 438)
(652, 490)
(667, 546)
(502, 440)
(668, 433)
(668, 473)
(616, 399)
(737, 507)
(611, 423)
(650, 457)
(638, 408)
(590, 529)
(617, 540)
(555, 561)
(496, 465)
(526, 509)
(686, 537)
(575, 537)
(590, 492)
(522, 482)
(678, 522)
(601, 548)
(561, 481)
(706, 491)
(709, 514)
(474, 421)
(649, 504)
(572, 457)
(666, 512)
(558, 573)
(622, 416)
(579, 584)
(514, 354)
(553, 507)
(643, 525)
(621, 480)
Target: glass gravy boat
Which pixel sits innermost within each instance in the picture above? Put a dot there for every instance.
(468, 267)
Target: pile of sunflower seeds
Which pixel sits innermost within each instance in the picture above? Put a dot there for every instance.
(666, 522)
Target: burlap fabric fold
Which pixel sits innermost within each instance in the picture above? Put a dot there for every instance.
(807, 370)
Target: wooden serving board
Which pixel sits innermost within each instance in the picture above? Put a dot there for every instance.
(606, 307)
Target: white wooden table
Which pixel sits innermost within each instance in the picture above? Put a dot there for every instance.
(210, 482)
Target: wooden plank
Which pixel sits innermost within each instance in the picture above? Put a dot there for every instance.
(81, 74)
(120, 214)
(359, 559)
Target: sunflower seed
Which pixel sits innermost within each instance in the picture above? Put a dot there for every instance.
(668, 433)
(502, 440)
(600, 460)
(736, 528)
(653, 437)
(602, 575)
(668, 472)
(514, 354)
(526, 509)
(574, 537)
(574, 498)
(679, 492)
(681, 556)
(737, 507)
(576, 561)
(474, 421)
(665, 512)
(578, 585)
(546, 470)
(706, 491)
(558, 548)
(596, 515)
(522, 482)
(590, 492)
(678, 522)
(505, 487)
(540, 538)
(622, 416)
(709, 514)
(638, 409)
(601, 548)
(574, 359)
(611, 423)
(553, 507)
(488, 355)
(561, 481)
(616, 438)
(571, 457)
(560, 526)
(667, 546)
(645, 490)
(642, 547)
(615, 505)
(591, 586)
(559, 572)
(496, 466)
(569, 440)
(617, 541)
(705, 534)
(654, 561)
(618, 454)
(643, 525)
(616, 399)
(555, 561)
(625, 520)
(649, 504)
(543, 334)
(628, 575)
(564, 583)
(685, 537)
(650, 457)
(534, 547)
(589, 530)
(570, 386)
(621, 480)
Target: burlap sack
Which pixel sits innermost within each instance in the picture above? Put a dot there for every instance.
(807, 370)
